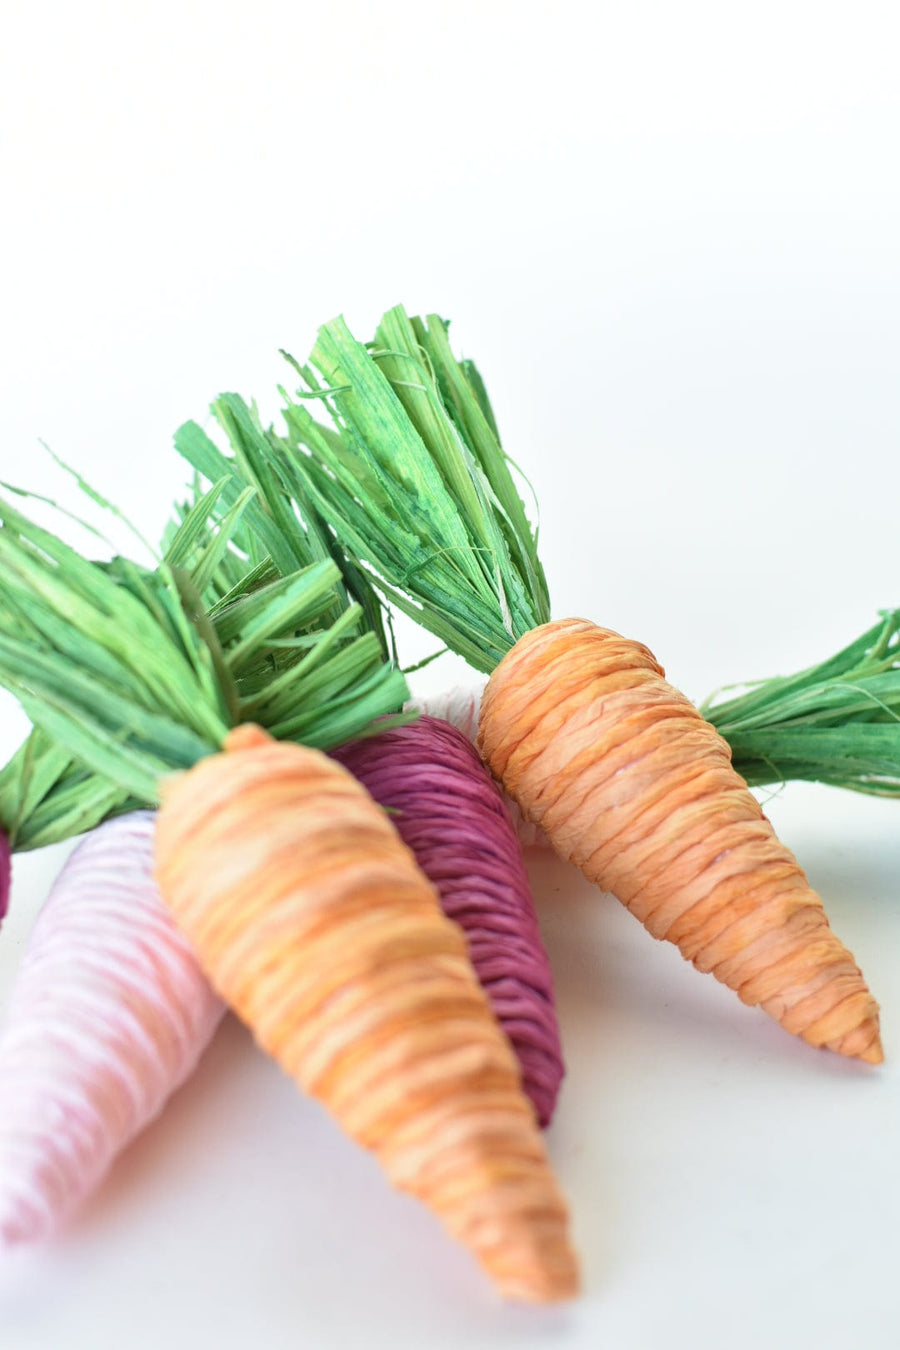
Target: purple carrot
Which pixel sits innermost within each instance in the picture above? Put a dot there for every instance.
(109, 1013)
(451, 814)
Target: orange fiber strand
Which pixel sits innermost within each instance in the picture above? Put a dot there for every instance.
(634, 787)
(314, 923)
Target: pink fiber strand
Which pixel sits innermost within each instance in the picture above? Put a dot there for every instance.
(108, 1015)
(451, 814)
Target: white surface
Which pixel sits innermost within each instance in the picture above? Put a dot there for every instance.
(668, 236)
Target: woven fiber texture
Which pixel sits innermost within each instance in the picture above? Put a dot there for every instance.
(448, 810)
(461, 706)
(315, 924)
(636, 789)
(108, 1016)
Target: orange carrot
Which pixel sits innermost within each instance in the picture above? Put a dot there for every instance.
(579, 725)
(314, 923)
(633, 786)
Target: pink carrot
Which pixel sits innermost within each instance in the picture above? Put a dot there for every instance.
(450, 813)
(108, 1015)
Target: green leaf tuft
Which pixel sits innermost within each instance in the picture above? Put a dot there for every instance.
(411, 477)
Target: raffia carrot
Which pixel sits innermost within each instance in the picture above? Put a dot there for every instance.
(444, 802)
(108, 1014)
(578, 723)
(320, 931)
(663, 821)
(305, 909)
(450, 813)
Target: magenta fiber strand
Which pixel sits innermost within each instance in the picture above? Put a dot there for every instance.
(451, 814)
(460, 706)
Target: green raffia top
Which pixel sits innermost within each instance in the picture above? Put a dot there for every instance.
(836, 722)
(404, 462)
(411, 475)
(129, 674)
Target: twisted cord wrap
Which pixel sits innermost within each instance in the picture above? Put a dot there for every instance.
(315, 924)
(108, 1015)
(450, 813)
(633, 786)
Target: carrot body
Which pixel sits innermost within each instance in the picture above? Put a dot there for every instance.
(109, 1013)
(448, 810)
(633, 786)
(314, 923)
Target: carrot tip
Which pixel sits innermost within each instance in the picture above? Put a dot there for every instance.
(874, 1054)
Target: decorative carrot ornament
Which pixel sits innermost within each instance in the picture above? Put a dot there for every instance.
(306, 910)
(578, 723)
(836, 722)
(444, 803)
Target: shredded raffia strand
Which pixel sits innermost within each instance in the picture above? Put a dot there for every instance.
(280, 529)
(319, 929)
(837, 722)
(637, 790)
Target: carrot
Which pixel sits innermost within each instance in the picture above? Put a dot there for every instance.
(449, 812)
(578, 724)
(319, 930)
(305, 909)
(445, 806)
(836, 722)
(108, 1015)
(633, 786)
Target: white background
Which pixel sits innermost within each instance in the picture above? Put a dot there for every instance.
(668, 234)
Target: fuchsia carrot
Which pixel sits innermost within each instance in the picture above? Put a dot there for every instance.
(450, 813)
(108, 1016)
